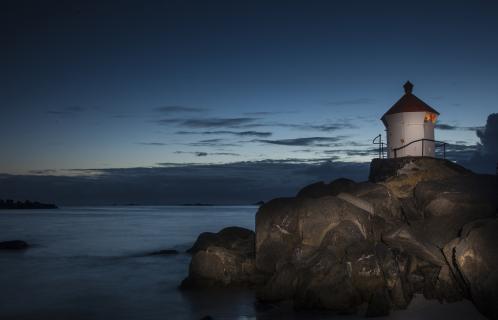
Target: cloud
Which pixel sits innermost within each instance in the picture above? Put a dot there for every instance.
(211, 122)
(68, 111)
(351, 102)
(179, 109)
(43, 172)
(483, 157)
(204, 154)
(251, 122)
(156, 144)
(235, 133)
(308, 141)
(489, 136)
(233, 183)
(445, 126)
(213, 143)
(317, 127)
(267, 113)
(373, 152)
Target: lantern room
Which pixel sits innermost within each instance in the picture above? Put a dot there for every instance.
(410, 124)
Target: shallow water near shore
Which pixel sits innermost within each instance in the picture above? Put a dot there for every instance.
(91, 263)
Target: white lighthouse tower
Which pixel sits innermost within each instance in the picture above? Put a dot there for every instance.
(410, 126)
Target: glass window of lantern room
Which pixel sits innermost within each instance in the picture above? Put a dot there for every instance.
(430, 117)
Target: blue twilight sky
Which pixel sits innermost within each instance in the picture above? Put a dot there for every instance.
(139, 84)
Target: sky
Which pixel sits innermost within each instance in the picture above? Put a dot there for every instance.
(111, 93)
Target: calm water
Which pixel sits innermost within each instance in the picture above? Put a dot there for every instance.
(88, 263)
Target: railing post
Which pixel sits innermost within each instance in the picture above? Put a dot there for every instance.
(444, 150)
(422, 147)
(395, 153)
(380, 146)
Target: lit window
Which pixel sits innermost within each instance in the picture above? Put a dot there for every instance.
(430, 117)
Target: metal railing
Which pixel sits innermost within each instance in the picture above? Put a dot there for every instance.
(378, 140)
(383, 147)
(436, 144)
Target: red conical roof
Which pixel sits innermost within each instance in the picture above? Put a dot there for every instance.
(409, 103)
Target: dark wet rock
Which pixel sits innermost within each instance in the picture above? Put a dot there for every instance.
(321, 189)
(14, 245)
(475, 259)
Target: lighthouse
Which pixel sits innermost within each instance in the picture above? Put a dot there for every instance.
(410, 126)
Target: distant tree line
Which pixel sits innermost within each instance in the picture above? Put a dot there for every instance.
(11, 204)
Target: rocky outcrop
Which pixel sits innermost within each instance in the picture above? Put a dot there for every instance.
(420, 225)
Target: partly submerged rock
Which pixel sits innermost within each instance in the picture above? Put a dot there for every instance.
(14, 245)
(223, 259)
(235, 238)
(220, 267)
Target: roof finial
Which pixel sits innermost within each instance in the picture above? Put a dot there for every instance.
(408, 87)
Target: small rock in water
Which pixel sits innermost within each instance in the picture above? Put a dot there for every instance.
(13, 245)
(164, 252)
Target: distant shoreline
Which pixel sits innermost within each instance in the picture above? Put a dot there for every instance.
(22, 205)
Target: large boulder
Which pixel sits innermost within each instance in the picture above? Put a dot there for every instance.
(223, 259)
(276, 232)
(348, 269)
(474, 258)
(220, 267)
(449, 204)
(383, 201)
(293, 228)
(232, 238)
(321, 189)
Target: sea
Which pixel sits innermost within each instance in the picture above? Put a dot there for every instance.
(93, 263)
